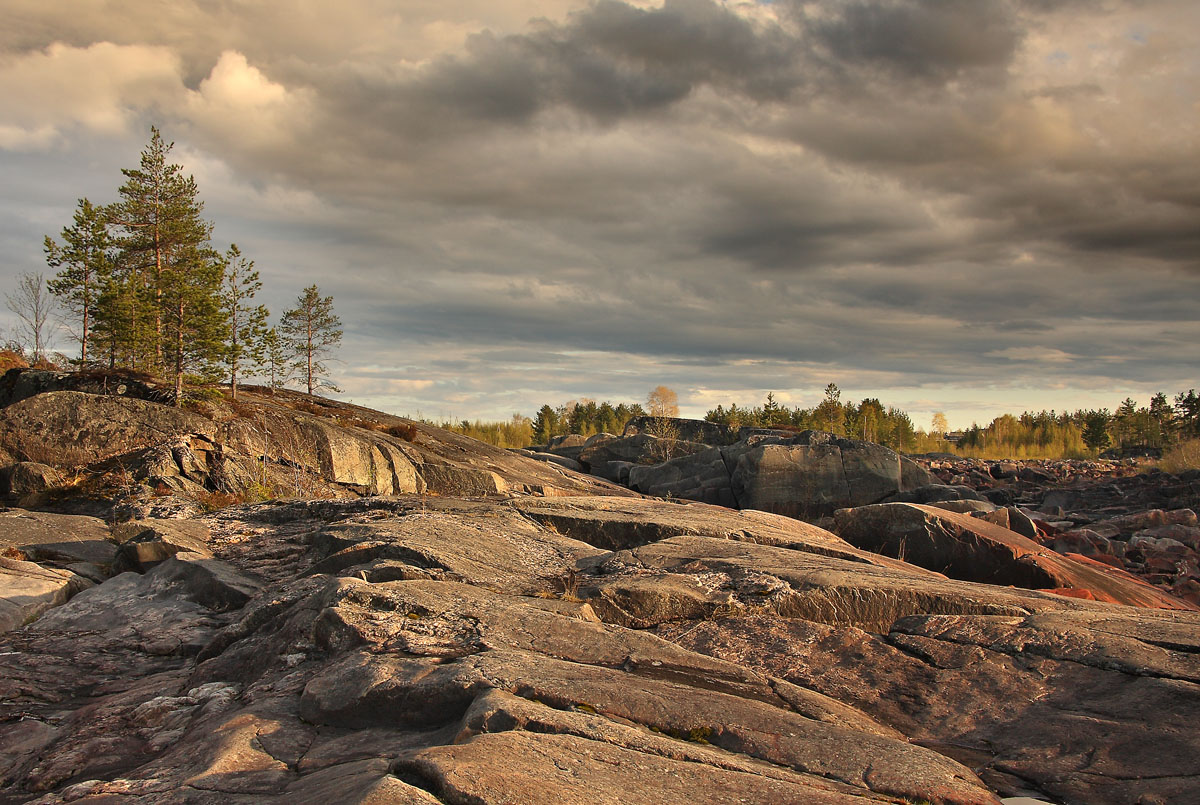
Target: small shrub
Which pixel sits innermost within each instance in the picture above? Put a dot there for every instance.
(199, 407)
(215, 501)
(406, 431)
(311, 408)
(1183, 456)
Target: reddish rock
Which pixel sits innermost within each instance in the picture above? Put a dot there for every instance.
(968, 548)
(1086, 595)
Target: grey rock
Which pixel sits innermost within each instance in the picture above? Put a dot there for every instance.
(146, 543)
(27, 590)
(429, 648)
(913, 475)
(973, 549)
(562, 461)
(29, 477)
(55, 538)
(689, 430)
(701, 476)
(934, 493)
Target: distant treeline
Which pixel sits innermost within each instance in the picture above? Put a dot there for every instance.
(1044, 434)
(1047, 434)
(869, 420)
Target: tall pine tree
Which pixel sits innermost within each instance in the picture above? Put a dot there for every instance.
(84, 261)
(314, 331)
(161, 236)
(247, 324)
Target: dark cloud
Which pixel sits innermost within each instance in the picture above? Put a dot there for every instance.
(933, 40)
(611, 60)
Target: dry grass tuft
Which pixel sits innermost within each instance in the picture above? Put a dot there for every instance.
(1183, 456)
(11, 359)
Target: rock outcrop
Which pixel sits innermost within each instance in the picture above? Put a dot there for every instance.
(269, 444)
(974, 549)
(807, 475)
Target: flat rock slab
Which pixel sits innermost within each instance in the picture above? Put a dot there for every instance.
(553, 769)
(485, 545)
(55, 538)
(28, 589)
(816, 587)
(619, 523)
(424, 650)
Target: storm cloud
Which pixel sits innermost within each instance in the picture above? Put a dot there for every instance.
(985, 205)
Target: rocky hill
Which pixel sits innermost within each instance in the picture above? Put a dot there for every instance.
(489, 628)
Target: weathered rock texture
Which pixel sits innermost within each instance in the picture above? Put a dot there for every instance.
(1114, 513)
(592, 649)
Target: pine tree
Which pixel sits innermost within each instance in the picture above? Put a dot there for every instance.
(162, 235)
(194, 324)
(545, 426)
(830, 412)
(84, 263)
(246, 324)
(277, 359)
(313, 330)
(1095, 429)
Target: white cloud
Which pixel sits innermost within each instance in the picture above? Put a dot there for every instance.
(99, 88)
(238, 103)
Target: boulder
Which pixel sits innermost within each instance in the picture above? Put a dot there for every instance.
(966, 506)
(935, 493)
(562, 461)
(70, 427)
(29, 477)
(810, 475)
(913, 475)
(449, 479)
(146, 543)
(642, 448)
(567, 446)
(688, 430)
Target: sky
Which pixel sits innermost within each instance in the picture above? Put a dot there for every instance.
(970, 207)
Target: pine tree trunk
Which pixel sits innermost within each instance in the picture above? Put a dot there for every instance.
(179, 360)
(310, 354)
(158, 270)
